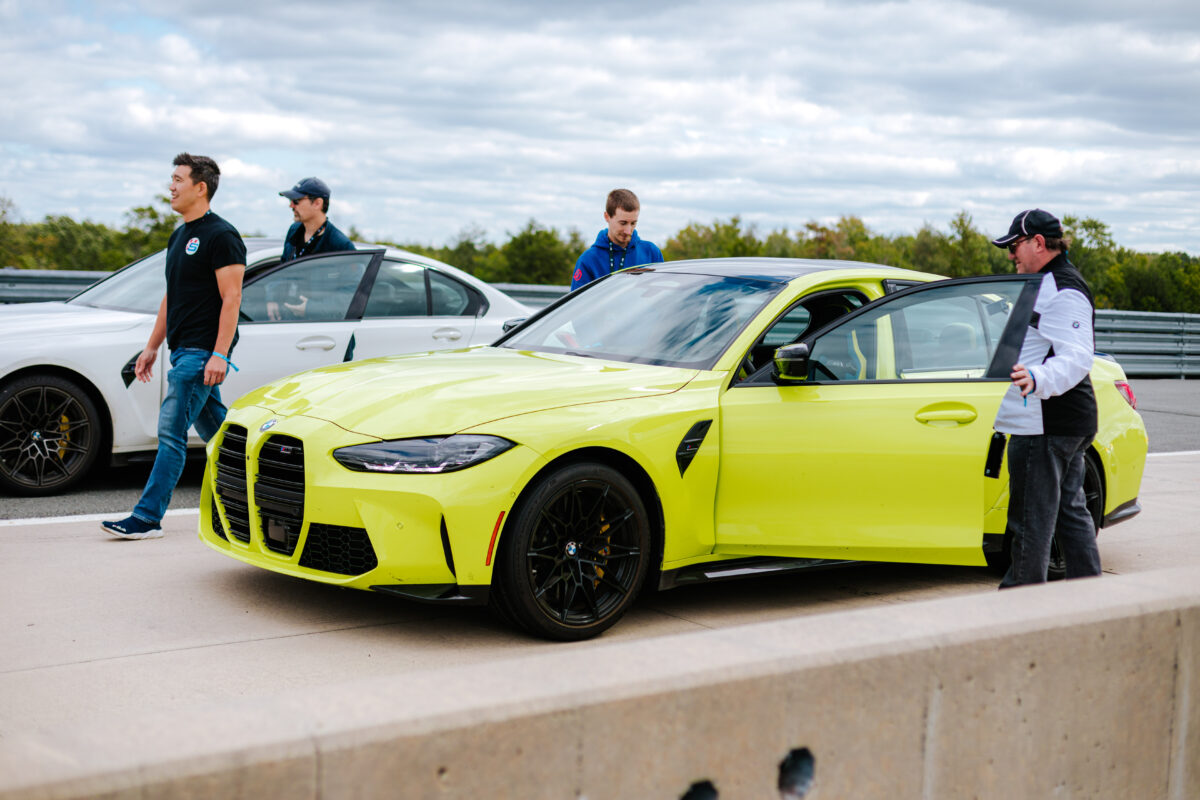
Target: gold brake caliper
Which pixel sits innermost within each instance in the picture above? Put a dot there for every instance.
(64, 428)
(603, 552)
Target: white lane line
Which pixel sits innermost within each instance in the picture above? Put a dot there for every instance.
(1174, 453)
(6, 523)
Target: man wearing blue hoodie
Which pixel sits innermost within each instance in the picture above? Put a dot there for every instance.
(618, 245)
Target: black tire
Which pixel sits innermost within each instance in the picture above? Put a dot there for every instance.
(50, 435)
(574, 553)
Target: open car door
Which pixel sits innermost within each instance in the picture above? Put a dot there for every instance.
(878, 453)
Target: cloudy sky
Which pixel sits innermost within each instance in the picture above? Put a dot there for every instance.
(427, 118)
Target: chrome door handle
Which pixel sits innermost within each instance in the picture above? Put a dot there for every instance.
(453, 334)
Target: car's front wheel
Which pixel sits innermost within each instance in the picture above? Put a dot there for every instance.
(574, 553)
(49, 435)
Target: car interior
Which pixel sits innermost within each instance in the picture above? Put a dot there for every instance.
(807, 316)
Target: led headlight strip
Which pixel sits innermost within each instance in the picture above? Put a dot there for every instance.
(429, 454)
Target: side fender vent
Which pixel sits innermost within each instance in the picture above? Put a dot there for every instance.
(691, 444)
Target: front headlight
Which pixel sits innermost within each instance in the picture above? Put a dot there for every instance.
(427, 454)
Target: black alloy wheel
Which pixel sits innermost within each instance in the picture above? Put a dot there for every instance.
(1093, 494)
(574, 554)
(50, 434)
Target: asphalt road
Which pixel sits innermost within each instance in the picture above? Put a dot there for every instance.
(1171, 409)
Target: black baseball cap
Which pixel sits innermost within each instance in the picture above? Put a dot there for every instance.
(307, 187)
(1031, 223)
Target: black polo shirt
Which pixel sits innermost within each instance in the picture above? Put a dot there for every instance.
(195, 251)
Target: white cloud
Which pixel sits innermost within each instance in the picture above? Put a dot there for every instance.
(428, 117)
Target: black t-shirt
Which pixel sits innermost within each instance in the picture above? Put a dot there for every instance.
(196, 250)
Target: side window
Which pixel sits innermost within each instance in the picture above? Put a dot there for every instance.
(399, 291)
(940, 333)
(943, 334)
(850, 352)
(317, 290)
(788, 327)
(808, 315)
(450, 298)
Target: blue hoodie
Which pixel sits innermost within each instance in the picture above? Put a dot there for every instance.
(604, 257)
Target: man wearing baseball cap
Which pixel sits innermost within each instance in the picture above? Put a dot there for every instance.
(1049, 411)
(312, 232)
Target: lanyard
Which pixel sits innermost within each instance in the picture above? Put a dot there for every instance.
(624, 253)
(302, 249)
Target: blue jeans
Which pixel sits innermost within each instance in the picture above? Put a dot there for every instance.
(188, 402)
(1045, 498)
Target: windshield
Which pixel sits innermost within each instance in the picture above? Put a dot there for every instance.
(648, 317)
(138, 287)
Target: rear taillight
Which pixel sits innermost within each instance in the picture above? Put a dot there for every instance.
(1127, 392)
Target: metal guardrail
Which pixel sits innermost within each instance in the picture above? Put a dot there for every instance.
(1145, 343)
(533, 295)
(40, 285)
(1150, 343)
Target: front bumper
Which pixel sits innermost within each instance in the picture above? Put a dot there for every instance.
(277, 499)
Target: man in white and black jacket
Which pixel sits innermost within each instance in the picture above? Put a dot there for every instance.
(1050, 410)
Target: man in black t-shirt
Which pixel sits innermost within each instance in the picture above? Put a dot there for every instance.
(198, 318)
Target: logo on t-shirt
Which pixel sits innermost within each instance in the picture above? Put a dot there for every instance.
(193, 245)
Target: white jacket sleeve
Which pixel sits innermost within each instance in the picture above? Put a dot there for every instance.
(1067, 324)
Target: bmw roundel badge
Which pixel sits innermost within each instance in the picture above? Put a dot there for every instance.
(266, 426)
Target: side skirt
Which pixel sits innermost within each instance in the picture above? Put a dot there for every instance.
(742, 568)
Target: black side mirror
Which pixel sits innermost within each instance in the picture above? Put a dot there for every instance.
(509, 324)
(791, 363)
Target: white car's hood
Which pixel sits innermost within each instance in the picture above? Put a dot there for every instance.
(39, 320)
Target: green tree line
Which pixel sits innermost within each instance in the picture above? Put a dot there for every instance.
(59, 242)
(1119, 277)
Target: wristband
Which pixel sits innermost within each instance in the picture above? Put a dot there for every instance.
(227, 361)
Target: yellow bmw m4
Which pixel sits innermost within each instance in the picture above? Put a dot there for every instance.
(681, 422)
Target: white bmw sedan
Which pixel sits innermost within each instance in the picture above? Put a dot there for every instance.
(68, 397)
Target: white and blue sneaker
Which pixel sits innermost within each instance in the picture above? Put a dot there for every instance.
(132, 528)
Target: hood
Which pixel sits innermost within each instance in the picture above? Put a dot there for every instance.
(447, 392)
(57, 319)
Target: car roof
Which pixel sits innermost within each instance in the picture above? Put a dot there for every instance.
(779, 270)
(258, 244)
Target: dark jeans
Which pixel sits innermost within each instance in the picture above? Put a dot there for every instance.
(188, 402)
(1045, 497)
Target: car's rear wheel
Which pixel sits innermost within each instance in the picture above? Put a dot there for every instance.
(50, 435)
(574, 554)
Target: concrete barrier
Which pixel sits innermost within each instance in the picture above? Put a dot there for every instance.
(1079, 689)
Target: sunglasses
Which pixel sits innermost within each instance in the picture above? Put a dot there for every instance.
(296, 202)
(1012, 248)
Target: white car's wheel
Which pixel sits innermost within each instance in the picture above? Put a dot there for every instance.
(50, 435)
